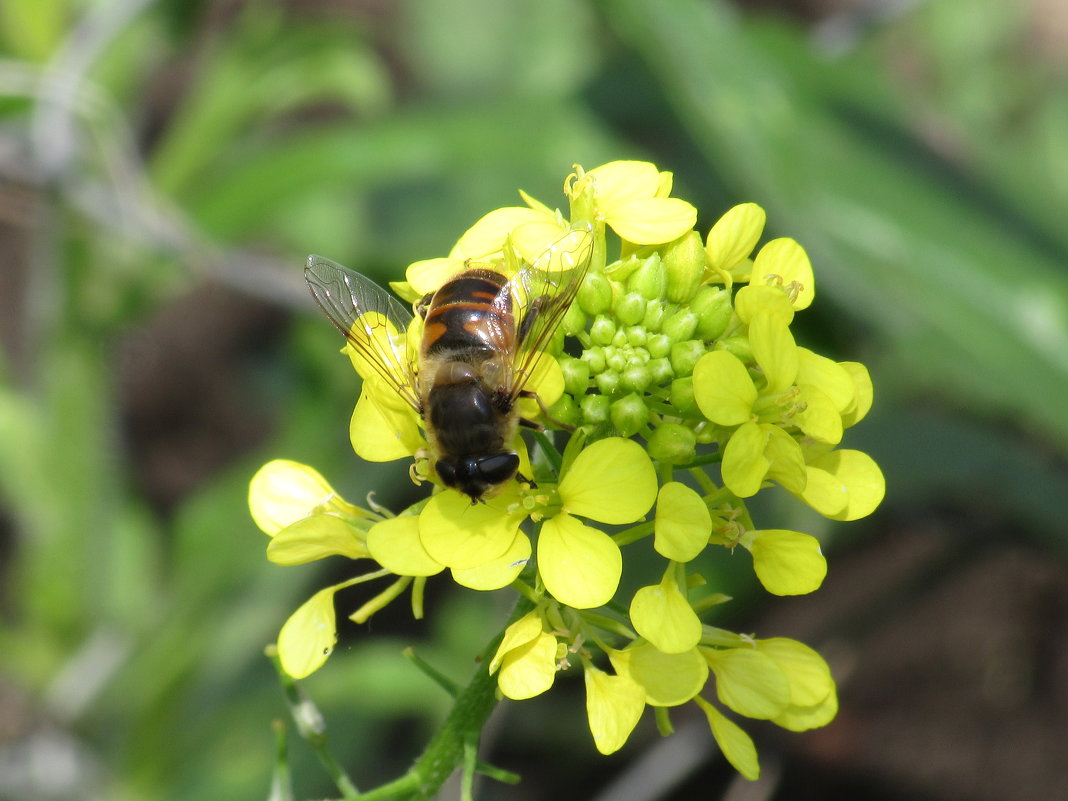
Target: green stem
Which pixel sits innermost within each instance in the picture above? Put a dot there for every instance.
(446, 751)
(311, 726)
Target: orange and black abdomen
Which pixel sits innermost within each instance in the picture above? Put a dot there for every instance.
(470, 318)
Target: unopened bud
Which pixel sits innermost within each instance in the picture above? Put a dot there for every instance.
(602, 330)
(630, 308)
(655, 312)
(712, 305)
(595, 294)
(607, 382)
(672, 443)
(629, 414)
(737, 346)
(574, 321)
(684, 265)
(649, 280)
(683, 400)
(636, 378)
(681, 325)
(595, 358)
(660, 370)
(576, 375)
(594, 408)
(566, 411)
(684, 356)
(658, 345)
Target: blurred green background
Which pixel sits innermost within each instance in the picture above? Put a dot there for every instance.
(166, 166)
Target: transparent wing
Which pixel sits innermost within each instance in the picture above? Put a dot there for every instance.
(375, 323)
(542, 292)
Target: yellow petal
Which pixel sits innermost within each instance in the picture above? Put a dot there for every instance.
(863, 393)
(308, 637)
(828, 376)
(668, 679)
(817, 415)
(579, 565)
(488, 236)
(749, 682)
(844, 485)
(807, 672)
(786, 459)
(316, 537)
(527, 629)
(651, 221)
(612, 480)
(803, 718)
(427, 275)
(283, 492)
(789, 264)
(749, 301)
(530, 669)
(744, 464)
(463, 535)
(619, 181)
(547, 382)
(501, 572)
(774, 350)
(723, 389)
(614, 704)
(736, 745)
(786, 562)
(734, 235)
(383, 426)
(661, 614)
(395, 544)
(683, 523)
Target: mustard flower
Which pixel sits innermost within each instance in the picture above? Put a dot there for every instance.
(679, 391)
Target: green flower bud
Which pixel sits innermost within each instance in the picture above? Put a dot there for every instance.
(602, 330)
(637, 358)
(661, 370)
(636, 378)
(712, 305)
(595, 358)
(620, 339)
(682, 398)
(629, 414)
(655, 312)
(737, 346)
(608, 382)
(574, 321)
(630, 308)
(556, 344)
(658, 345)
(673, 443)
(576, 375)
(615, 359)
(684, 265)
(684, 356)
(594, 408)
(636, 336)
(595, 294)
(565, 410)
(649, 280)
(681, 325)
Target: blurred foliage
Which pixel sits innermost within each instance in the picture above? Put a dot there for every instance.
(148, 149)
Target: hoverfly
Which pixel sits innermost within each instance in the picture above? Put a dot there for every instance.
(482, 336)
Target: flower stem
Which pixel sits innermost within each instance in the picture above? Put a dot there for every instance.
(457, 736)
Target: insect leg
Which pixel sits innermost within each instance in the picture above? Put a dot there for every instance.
(526, 393)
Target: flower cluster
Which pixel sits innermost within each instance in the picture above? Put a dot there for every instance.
(684, 393)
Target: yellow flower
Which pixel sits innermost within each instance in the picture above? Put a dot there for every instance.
(631, 197)
(305, 517)
(614, 705)
(526, 659)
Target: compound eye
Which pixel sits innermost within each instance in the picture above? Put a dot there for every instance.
(498, 468)
(447, 471)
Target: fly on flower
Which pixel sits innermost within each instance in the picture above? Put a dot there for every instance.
(483, 334)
